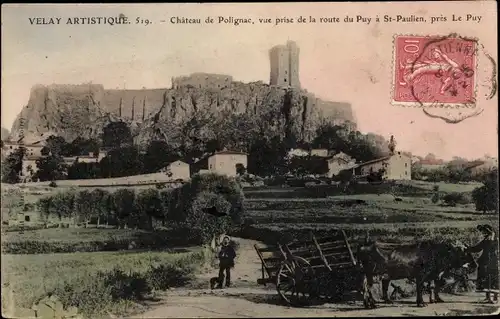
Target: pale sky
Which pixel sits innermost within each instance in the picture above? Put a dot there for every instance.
(338, 62)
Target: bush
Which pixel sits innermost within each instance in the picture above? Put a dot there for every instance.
(188, 205)
(164, 277)
(90, 295)
(53, 184)
(452, 199)
(123, 286)
(435, 194)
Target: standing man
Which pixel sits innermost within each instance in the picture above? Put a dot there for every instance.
(226, 262)
(487, 274)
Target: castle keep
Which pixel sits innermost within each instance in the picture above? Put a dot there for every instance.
(285, 65)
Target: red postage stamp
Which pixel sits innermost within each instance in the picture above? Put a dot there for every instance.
(434, 71)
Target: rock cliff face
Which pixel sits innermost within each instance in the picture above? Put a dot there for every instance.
(5, 133)
(83, 110)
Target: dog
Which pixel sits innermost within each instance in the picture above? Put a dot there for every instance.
(214, 283)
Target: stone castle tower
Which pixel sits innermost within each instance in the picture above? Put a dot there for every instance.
(285, 65)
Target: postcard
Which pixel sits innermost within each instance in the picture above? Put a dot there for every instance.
(249, 160)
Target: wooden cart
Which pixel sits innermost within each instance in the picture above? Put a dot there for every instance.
(305, 271)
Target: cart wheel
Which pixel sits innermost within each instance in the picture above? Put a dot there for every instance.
(296, 282)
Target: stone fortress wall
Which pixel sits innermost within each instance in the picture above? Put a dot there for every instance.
(203, 81)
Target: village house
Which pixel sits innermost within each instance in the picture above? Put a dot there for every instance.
(90, 158)
(321, 152)
(339, 162)
(32, 149)
(179, 170)
(397, 167)
(29, 166)
(300, 152)
(430, 164)
(223, 162)
(481, 166)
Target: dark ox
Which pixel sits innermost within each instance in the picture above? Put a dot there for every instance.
(426, 262)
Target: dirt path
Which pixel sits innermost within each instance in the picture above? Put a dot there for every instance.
(247, 299)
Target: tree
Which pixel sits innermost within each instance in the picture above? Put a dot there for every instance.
(116, 135)
(82, 146)
(83, 170)
(158, 155)
(308, 165)
(455, 171)
(50, 168)
(63, 205)
(83, 206)
(123, 203)
(267, 157)
(190, 203)
(149, 205)
(12, 166)
(56, 145)
(342, 138)
(43, 205)
(376, 176)
(125, 161)
(99, 207)
(486, 197)
(240, 169)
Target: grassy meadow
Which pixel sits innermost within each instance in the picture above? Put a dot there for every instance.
(80, 279)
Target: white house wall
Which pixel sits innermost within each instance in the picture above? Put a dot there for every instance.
(225, 164)
(399, 167)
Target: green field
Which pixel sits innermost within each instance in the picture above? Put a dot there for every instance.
(73, 276)
(406, 214)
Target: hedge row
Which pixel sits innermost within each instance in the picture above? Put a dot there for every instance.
(187, 207)
(157, 240)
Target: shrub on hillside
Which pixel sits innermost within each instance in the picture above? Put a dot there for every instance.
(452, 199)
(124, 286)
(188, 205)
(164, 277)
(435, 194)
